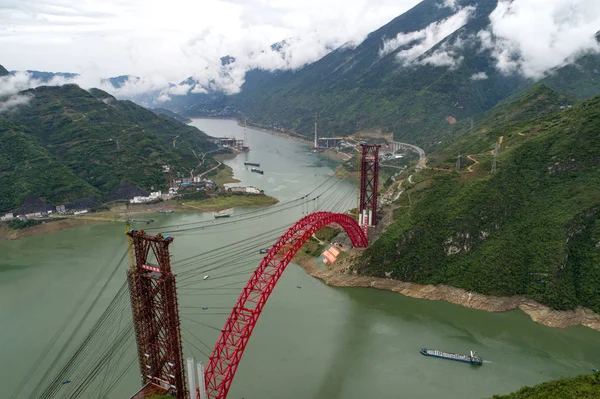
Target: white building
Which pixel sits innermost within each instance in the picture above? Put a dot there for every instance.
(245, 190)
(141, 200)
(8, 216)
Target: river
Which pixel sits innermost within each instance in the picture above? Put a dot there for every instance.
(310, 342)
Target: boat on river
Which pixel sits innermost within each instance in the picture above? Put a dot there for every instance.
(251, 164)
(165, 211)
(257, 171)
(263, 251)
(221, 214)
(472, 358)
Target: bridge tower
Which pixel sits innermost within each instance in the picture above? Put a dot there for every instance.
(155, 315)
(369, 175)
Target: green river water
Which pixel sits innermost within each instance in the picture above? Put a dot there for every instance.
(310, 342)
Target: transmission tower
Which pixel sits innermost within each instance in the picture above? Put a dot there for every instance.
(316, 137)
(369, 175)
(495, 158)
(458, 161)
(155, 314)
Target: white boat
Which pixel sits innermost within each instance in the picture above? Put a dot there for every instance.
(221, 214)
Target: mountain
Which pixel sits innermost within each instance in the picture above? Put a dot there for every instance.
(119, 81)
(28, 169)
(170, 114)
(68, 143)
(416, 76)
(3, 71)
(46, 77)
(363, 87)
(580, 79)
(532, 228)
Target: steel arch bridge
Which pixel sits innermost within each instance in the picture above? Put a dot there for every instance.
(226, 356)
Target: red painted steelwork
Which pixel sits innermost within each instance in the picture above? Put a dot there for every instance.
(156, 314)
(369, 176)
(230, 346)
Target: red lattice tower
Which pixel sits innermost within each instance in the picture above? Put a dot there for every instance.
(155, 314)
(226, 356)
(369, 175)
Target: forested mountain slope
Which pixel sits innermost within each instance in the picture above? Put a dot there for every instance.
(67, 143)
(581, 387)
(416, 76)
(532, 228)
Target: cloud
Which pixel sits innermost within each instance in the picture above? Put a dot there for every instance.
(170, 41)
(531, 37)
(13, 101)
(441, 58)
(450, 4)
(423, 40)
(479, 76)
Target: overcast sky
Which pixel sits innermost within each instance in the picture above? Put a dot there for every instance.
(175, 38)
(169, 40)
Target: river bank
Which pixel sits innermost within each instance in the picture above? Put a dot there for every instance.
(119, 213)
(289, 136)
(339, 276)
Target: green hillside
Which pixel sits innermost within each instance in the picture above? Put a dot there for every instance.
(580, 387)
(579, 80)
(532, 228)
(472, 139)
(94, 143)
(28, 169)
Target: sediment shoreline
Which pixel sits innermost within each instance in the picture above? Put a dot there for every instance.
(541, 314)
(118, 213)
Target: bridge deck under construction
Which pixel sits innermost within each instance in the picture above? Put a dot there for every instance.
(148, 391)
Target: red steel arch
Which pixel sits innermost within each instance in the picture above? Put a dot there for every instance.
(225, 358)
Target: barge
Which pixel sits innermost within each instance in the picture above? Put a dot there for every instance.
(472, 358)
(251, 164)
(257, 171)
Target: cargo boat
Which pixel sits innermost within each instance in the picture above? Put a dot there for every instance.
(472, 358)
(257, 171)
(251, 164)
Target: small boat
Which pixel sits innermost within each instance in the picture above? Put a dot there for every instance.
(257, 171)
(66, 382)
(165, 211)
(221, 214)
(472, 358)
(251, 164)
(204, 308)
(205, 277)
(263, 251)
